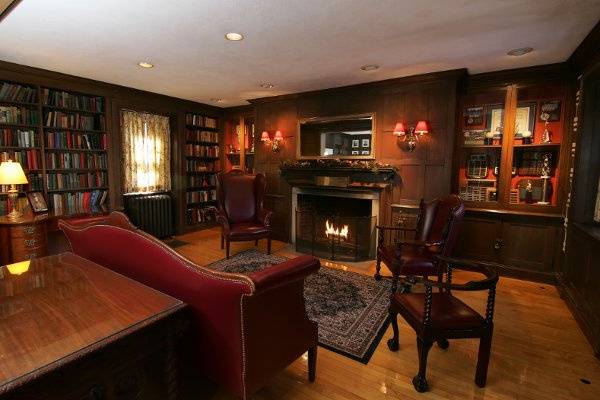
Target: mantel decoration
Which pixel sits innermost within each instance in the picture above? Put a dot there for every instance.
(336, 163)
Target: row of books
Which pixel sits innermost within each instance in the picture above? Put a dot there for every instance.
(76, 160)
(59, 119)
(6, 204)
(77, 202)
(199, 150)
(202, 136)
(18, 137)
(201, 180)
(14, 92)
(200, 121)
(199, 215)
(58, 98)
(201, 166)
(36, 182)
(74, 140)
(77, 180)
(201, 196)
(18, 115)
(29, 159)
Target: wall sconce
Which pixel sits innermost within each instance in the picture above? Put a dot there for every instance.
(275, 143)
(414, 133)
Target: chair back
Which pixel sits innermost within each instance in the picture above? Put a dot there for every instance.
(440, 221)
(240, 195)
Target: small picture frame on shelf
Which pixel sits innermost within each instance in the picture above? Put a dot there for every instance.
(551, 109)
(495, 116)
(473, 117)
(365, 152)
(355, 152)
(525, 121)
(37, 201)
(366, 143)
(355, 143)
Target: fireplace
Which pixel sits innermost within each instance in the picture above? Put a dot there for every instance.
(335, 224)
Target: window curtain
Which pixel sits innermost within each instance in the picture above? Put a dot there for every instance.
(597, 209)
(146, 152)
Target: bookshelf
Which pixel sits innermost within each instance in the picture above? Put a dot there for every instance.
(60, 139)
(202, 154)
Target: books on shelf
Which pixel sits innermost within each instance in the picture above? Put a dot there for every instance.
(202, 166)
(36, 183)
(60, 119)
(15, 92)
(200, 215)
(69, 203)
(197, 181)
(75, 140)
(76, 180)
(202, 196)
(202, 136)
(201, 121)
(58, 160)
(18, 115)
(199, 150)
(58, 98)
(29, 159)
(10, 137)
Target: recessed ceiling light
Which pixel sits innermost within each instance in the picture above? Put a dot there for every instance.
(520, 52)
(369, 67)
(145, 64)
(234, 37)
(267, 85)
(216, 100)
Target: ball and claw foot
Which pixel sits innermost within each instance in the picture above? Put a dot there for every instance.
(443, 344)
(393, 344)
(377, 276)
(420, 384)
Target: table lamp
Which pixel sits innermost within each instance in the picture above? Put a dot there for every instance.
(12, 174)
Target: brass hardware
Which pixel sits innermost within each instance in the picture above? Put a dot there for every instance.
(498, 244)
(30, 242)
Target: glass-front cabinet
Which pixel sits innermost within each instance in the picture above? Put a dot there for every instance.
(511, 147)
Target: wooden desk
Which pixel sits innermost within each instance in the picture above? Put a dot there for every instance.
(71, 329)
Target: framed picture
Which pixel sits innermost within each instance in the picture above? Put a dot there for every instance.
(355, 143)
(495, 118)
(473, 117)
(355, 152)
(365, 152)
(37, 201)
(550, 111)
(366, 143)
(525, 120)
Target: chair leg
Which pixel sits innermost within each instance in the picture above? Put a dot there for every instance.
(395, 279)
(227, 248)
(443, 344)
(377, 269)
(394, 343)
(269, 245)
(222, 242)
(419, 381)
(312, 363)
(256, 242)
(483, 358)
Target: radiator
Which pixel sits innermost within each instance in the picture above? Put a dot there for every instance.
(152, 213)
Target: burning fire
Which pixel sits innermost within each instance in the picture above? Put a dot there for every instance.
(330, 229)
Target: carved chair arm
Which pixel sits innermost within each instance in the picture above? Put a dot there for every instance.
(264, 217)
(221, 218)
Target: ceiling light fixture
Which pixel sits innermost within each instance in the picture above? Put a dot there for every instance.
(234, 37)
(267, 85)
(520, 51)
(216, 100)
(370, 67)
(145, 64)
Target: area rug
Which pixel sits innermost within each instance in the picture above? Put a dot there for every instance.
(351, 309)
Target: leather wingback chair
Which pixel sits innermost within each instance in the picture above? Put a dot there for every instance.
(436, 233)
(245, 328)
(240, 209)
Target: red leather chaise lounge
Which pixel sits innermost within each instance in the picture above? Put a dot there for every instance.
(246, 328)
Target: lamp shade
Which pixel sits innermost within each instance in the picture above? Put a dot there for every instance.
(421, 128)
(399, 129)
(11, 173)
(265, 136)
(278, 136)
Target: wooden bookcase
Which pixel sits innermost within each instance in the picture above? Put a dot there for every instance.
(202, 159)
(60, 139)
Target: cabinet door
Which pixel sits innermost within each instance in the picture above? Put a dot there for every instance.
(478, 239)
(529, 246)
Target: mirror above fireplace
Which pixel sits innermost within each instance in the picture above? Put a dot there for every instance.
(346, 136)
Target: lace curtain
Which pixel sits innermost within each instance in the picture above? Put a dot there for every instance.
(146, 152)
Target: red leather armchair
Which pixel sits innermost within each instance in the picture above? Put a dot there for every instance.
(240, 208)
(245, 328)
(436, 233)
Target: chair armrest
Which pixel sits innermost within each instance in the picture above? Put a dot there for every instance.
(281, 274)
(264, 217)
(221, 218)
(395, 228)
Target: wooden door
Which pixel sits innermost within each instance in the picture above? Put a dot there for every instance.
(479, 238)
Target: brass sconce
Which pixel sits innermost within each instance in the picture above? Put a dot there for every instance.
(414, 133)
(275, 143)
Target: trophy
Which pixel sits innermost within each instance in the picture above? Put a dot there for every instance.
(546, 160)
(547, 136)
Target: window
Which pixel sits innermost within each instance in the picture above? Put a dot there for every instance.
(146, 152)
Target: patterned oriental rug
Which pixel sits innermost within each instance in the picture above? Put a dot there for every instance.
(351, 309)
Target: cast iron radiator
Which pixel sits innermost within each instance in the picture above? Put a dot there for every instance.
(152, 213)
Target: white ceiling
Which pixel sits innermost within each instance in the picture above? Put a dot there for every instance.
(298, 45)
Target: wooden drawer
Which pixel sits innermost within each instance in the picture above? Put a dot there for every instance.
(27, 231)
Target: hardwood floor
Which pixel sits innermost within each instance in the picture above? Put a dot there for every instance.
(538, 351)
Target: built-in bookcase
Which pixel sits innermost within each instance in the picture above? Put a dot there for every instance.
(60, 139)
(202, 163)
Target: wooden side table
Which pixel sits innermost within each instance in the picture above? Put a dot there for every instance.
(23, 239)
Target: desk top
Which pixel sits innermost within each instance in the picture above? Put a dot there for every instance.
(59, 308)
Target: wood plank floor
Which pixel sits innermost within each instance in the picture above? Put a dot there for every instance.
(538, 351)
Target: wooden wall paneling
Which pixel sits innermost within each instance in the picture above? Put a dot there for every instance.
(479, 235)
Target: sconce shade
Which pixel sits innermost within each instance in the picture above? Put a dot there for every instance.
(265, 136)
(11, 173)
(399, 129)
(421, 128)
(278, 136)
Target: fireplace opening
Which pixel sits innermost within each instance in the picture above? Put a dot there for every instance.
(333, 227)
